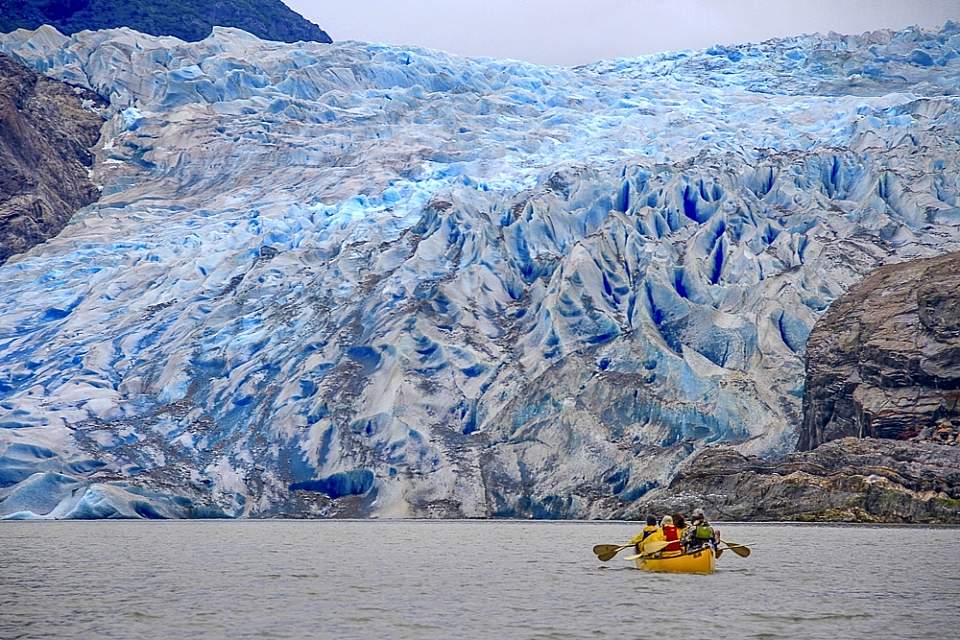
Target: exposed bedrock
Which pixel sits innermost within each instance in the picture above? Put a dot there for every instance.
(47, 129)
(884, 361)
(849, 480)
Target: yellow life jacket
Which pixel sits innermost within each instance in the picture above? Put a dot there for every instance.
(655, 536)
(648, 530)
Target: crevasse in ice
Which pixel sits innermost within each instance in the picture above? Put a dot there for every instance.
(353, 279)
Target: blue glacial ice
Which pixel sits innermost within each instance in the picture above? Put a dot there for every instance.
(364, 280)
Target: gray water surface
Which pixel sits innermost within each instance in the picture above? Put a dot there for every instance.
(420, 579)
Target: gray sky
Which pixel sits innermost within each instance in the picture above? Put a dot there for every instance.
(579, 31)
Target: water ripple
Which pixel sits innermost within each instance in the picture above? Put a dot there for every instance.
(284, 579)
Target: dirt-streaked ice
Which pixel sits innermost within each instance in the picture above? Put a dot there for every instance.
(356, 279)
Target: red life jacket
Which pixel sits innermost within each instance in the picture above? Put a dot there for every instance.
(671, 533)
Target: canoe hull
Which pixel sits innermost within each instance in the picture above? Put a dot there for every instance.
(702, 561)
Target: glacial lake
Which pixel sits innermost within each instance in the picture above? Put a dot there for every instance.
(465, 579)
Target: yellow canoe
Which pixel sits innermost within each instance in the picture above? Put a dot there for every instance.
(699, 561)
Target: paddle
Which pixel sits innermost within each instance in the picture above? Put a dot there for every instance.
(650, 548)
(608, 551)
(741, 550)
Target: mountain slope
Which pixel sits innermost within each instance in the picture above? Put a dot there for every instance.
(358, 280)
(185, 19)
(46, 131)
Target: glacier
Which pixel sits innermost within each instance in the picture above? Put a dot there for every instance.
(357, 280)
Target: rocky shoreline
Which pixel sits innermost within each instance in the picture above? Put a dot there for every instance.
(846, 480)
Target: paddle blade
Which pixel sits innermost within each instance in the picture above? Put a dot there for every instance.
(608, 551)
(605, 548)
(741, 550)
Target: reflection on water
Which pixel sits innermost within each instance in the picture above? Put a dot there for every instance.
(401, 579)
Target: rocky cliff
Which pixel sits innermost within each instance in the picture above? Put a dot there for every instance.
(47, 129)
(881, 416)
(884, 361)
(848, 480)
(186, 19)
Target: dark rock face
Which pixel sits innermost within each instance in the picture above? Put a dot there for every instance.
(189, 20)
(851, 479)
(45, 138)
(881, 415)
(884, 361)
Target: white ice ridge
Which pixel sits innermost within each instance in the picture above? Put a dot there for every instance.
(356, 280)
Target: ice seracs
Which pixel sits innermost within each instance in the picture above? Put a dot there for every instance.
(355, 279)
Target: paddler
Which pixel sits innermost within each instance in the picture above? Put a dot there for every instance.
(671, 535)
(701, 533)
(680, 523)
(648, 530)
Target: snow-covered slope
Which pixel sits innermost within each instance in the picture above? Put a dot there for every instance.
(355, 279)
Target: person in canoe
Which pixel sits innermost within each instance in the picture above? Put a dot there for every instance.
(648, 530)
(670, 534)
(680, 523)
(700, 533)
(666, 533)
